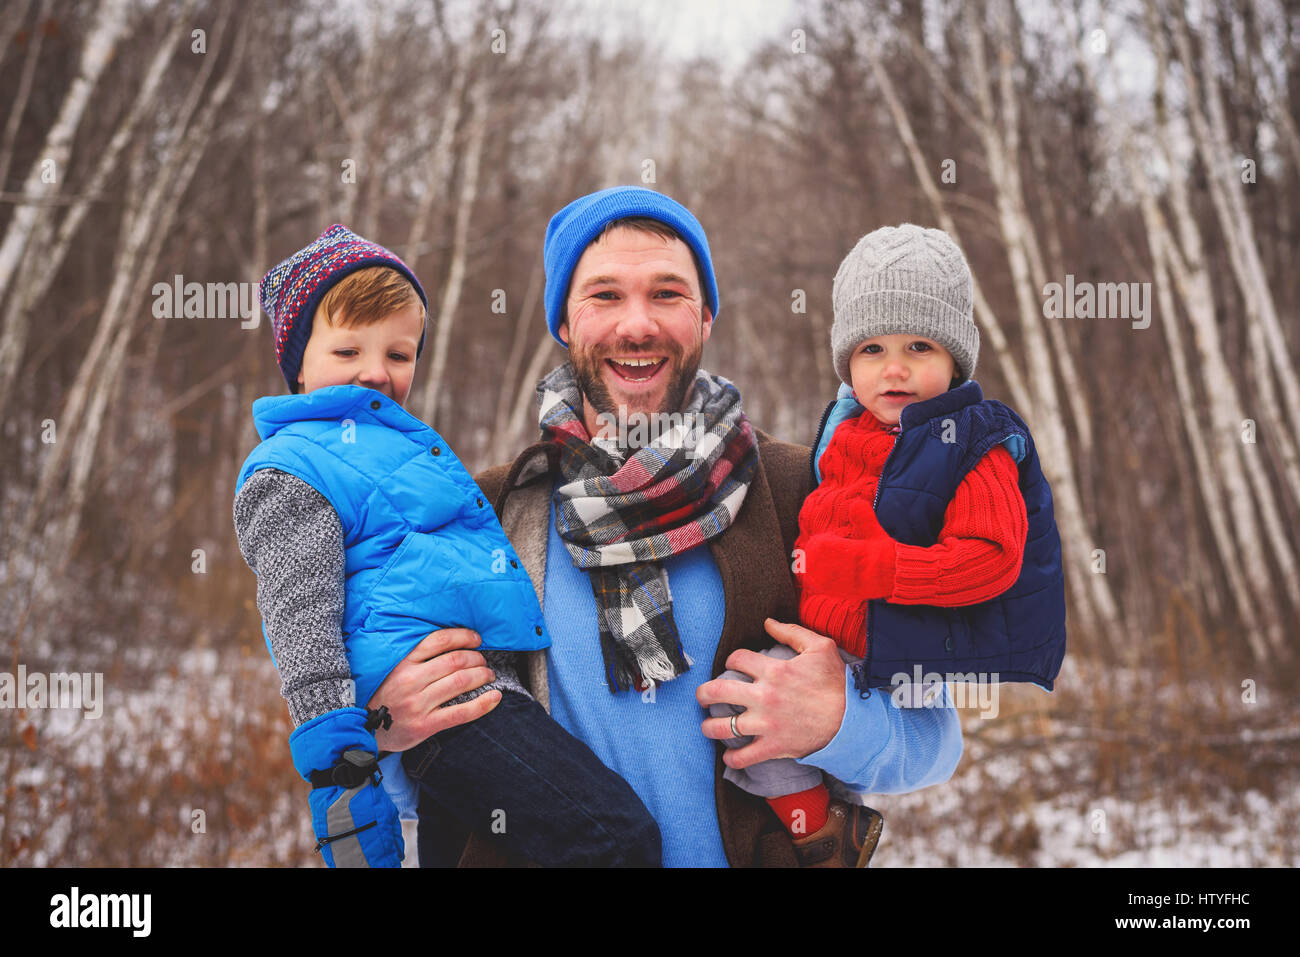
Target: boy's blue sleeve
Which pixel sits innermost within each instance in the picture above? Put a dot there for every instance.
(881, 748)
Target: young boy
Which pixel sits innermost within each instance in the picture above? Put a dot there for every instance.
(929, 544)
(366, 534)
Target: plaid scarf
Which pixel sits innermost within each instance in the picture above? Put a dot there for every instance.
(621, 515)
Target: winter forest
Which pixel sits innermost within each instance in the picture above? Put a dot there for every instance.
(1124, 179)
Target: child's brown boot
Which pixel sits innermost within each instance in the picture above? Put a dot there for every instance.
(847, 839)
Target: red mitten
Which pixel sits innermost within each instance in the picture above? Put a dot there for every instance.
(849, 567)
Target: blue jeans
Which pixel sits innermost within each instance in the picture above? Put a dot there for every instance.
(518, 779)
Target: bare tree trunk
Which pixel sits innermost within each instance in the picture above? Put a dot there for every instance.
(95, 55)
(1193, 283)
(1205, 474)
(1210, 135)
(50, 248)
(433, 385)
(1006, 361)
(438, 178)
(526, 320)
(1093, 598)
(13, 18)
(145, 227)
(20, 95)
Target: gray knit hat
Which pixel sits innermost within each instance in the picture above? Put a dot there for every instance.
(905, 280)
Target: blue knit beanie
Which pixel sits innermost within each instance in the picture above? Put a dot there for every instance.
(573, 228)
(291, 291)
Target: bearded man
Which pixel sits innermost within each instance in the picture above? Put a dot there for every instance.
(661, 566)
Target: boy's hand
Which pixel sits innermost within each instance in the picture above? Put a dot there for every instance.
(849, 567)
(439, 668)
(793, 708)
(352, 816)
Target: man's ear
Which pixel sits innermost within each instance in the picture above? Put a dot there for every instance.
(706, 324)
(563, 332)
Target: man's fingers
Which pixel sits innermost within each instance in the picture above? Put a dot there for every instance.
(466, 711)
(794, 636)
(720, 728)
(727, 691)
(750, 663)
(455, 684)
(443, 640)
(451, 663)
(755, 752)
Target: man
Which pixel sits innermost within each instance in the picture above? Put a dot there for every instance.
(640, 616)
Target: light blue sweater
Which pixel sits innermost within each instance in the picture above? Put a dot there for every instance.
(654, 740)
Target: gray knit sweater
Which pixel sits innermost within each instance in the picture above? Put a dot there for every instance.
(291, 537)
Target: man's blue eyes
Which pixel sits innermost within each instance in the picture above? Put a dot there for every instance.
(609, 292)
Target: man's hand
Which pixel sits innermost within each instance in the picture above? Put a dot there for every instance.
(793, 708)
(439, 668)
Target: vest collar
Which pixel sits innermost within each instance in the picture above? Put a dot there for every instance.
(273, 412)
(968, 393)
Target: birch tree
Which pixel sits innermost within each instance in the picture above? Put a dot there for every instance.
(45, 178)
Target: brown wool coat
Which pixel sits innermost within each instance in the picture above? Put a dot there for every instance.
(753, 561)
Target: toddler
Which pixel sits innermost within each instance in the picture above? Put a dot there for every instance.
(928, 542)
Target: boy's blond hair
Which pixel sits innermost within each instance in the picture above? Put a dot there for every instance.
(367, 296)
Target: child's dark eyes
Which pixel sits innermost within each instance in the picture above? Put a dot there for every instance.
(873, 348)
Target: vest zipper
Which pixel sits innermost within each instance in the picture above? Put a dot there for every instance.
(866, 662)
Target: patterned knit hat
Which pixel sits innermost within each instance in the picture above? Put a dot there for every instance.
(292, 290)
(905, 280)
(573, 228)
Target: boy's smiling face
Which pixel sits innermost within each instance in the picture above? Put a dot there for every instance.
(891, 372)
(379, 355)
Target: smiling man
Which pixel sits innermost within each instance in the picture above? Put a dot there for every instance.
(636, 292)
(660, 566)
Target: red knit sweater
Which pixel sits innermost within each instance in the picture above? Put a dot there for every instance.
(848, 558)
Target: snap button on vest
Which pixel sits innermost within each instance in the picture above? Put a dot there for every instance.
(435, 451)
(374, 404)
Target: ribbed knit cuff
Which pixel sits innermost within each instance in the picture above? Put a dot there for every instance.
(917, 572)
(320, 697)
(842, 619)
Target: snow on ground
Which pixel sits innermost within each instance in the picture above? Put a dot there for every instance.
(1049, 782)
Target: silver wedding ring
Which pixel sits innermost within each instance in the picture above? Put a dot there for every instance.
(735, 733)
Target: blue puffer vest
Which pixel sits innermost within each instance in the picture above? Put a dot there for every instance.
(1020, 635)
(423, 547)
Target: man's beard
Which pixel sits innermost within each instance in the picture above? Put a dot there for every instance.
(588, 367)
